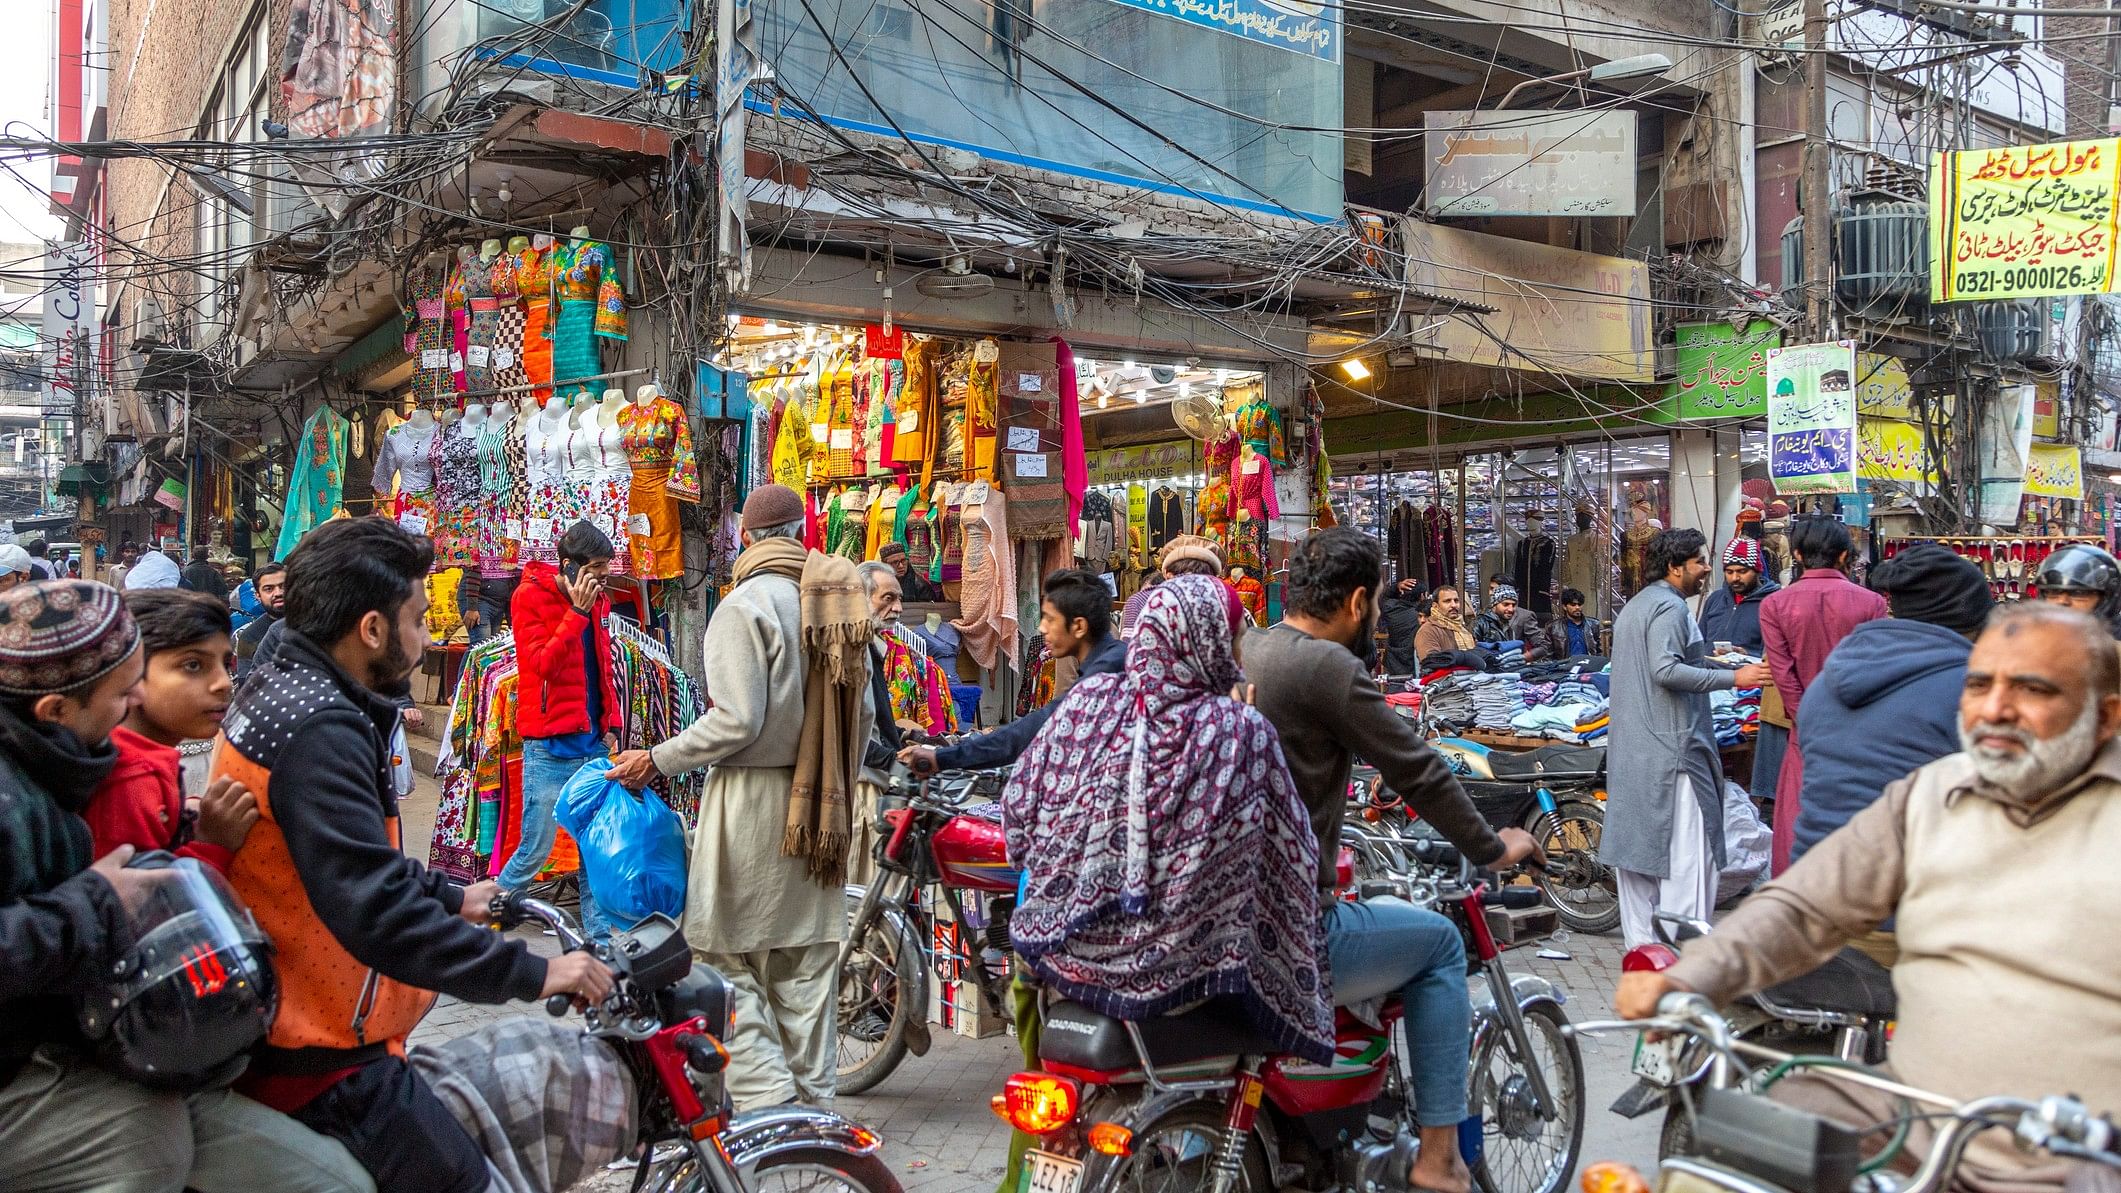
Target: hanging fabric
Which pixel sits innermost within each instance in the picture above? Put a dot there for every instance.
(315, 486)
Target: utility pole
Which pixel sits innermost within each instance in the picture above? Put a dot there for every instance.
(1818, 175)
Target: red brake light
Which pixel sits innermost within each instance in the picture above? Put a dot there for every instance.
(1649, 958)
(1037, 1103)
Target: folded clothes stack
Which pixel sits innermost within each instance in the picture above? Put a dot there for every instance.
(1557, 721)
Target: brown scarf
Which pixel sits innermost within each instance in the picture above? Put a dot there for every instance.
(1456, 625)
(836, 632)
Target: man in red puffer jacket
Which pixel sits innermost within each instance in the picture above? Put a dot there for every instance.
(566, 707)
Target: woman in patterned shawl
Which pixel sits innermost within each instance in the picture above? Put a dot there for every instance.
(1169, 857)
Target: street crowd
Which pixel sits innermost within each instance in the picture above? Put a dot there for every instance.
(1944, 776)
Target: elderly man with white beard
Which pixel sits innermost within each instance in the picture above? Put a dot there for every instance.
(1998, 864)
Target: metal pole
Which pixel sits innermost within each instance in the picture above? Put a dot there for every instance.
(1818, 171)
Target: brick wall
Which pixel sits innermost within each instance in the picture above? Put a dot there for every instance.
(2084, 57)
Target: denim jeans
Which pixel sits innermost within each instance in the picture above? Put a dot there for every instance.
(543, 777)
(495, 593)
(1379, 946)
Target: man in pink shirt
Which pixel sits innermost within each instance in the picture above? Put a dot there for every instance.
(1801, 625)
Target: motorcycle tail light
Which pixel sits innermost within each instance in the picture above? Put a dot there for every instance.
(1111, 1139)
(1609, 1177)
(1037, 1103)
(1649, 958)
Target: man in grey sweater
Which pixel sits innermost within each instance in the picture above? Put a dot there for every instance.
(1311, 682)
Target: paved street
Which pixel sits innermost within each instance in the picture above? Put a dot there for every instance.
(944, 1139)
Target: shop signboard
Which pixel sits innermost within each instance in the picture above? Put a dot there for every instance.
(1296, 25)
(1512, 162)
(2024, 221)
(2003, 447)
(2054, 470)
(1883, 389)
(1156, 461)
(2047, 410)
(1556, 311)
(1812, 418)
(1890, 450)
(1722, 370)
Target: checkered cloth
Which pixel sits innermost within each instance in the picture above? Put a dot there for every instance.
(547, 1104)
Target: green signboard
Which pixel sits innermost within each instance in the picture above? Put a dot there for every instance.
(1722, 372)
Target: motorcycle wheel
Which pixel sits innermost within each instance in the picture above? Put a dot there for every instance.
(1174, 1153)
(1583, 891)
(1519, 1152)
(799, 1170)
(879, 993)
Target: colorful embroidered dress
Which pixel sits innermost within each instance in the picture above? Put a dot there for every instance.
(315, 487)
(658, 442)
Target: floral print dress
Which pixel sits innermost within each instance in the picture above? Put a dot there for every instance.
(658, 441)
(456, 518)
(597, 470)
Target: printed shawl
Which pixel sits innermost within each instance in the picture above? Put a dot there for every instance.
(1180, 865)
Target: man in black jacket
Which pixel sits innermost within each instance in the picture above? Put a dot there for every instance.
(271, 586)
(67, 677)
(364, 936)
(1399, 615)
(1076, 619)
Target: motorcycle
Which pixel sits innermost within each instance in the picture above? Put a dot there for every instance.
(666, 1018)
(1746, 1144)
(927, 847)
(1557, 794)
(1198, 1100)
(1844, 1009)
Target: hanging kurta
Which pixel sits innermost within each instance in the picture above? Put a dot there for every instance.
(455, 528)
(319, 478)
(456, 299)
(427, 340)
(590, 305)
(406, 461)
(550, 504)
(485, 329)
(534, 282)
(658, 442)
(500, 510)
(598, 473)
(506, 362)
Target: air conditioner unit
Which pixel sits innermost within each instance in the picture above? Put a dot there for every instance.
(150, 324)
(289, 208)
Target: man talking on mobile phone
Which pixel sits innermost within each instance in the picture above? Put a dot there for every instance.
(569, 711)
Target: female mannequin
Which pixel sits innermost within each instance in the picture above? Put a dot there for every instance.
(471, 420)
(455, 525)
(550, 503)
(466, 280)
(488, 251)
(591, 307)
(657, 438)
(405, 465)
(597, 470)
(608, 410)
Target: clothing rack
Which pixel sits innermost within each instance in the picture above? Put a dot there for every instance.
(648, 644)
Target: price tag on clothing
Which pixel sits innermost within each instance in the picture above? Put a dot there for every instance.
(637, 524)
(909, 421)
(413, 523)
(433, 358)
(504, 358)
(514, 531)
(456, 362)
(1030, 383)
(1023, 439)
(818, 432)
(478, 355)
(1030, 464)
(986, 352)
(975, 493)
(538, 531)
(842, 439)
(1252, 465)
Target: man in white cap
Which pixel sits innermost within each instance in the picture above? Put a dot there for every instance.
(15, 566)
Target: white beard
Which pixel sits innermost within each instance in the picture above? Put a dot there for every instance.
(2042, 766)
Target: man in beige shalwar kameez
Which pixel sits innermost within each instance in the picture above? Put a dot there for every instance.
(753, 911)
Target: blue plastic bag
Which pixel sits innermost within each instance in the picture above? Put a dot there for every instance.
(632, 845)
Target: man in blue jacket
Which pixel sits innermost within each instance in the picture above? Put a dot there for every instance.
(1732, 613)
(1887, 701)
(1076, 619)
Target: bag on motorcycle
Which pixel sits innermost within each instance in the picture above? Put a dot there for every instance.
(633, 845)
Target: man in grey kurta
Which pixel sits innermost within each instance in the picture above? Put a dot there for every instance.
(1664, 809)
(751, 911)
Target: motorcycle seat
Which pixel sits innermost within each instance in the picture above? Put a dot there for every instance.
(1558, 761)
(1075, 1036)
(1848, 984)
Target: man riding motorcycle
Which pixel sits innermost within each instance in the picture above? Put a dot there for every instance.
(1309, 676)
(2086, 579)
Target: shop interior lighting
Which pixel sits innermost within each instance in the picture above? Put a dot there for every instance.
(1103, 401)
(1355, 369)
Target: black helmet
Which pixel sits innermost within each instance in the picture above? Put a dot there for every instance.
(183, 1007)
(2081, 567)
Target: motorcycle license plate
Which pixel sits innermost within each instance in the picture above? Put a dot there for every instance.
(1657, 1061)
(1048, 1173)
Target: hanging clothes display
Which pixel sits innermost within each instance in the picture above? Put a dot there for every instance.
(589, 305)
(534, 283)
(550, 503)
(319, 477)
(405, 463)
(501, 473)
(427, 335)
(506, 339)
(1167, 517)
(455, 526)
(602, 480)
(657, 438)
(484, 325)
(987, 623)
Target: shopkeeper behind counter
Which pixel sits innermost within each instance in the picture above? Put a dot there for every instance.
(913, 586)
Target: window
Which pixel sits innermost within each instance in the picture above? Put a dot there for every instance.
(225, 231)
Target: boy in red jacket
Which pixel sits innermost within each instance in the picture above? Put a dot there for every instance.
(186, 690)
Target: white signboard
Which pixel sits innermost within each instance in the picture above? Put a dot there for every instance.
(68, 332)
(1530, 163)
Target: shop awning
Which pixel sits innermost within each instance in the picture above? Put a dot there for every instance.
(74, 479)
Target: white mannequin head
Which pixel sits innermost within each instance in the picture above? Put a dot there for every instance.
(490, 249)
(579, 232)
(474, 414)
(647, 394)
(422, 419)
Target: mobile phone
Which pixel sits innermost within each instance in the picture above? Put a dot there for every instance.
(570, 570)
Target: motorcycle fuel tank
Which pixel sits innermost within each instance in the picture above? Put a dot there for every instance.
(971, 853)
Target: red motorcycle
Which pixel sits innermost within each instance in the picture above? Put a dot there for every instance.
(929, 849)
(666, 1019)
(1197, 1101)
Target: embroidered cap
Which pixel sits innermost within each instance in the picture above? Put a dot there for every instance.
(56, 635)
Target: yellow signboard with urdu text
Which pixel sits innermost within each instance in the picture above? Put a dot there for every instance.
(2054, 470)
(2024, 221)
